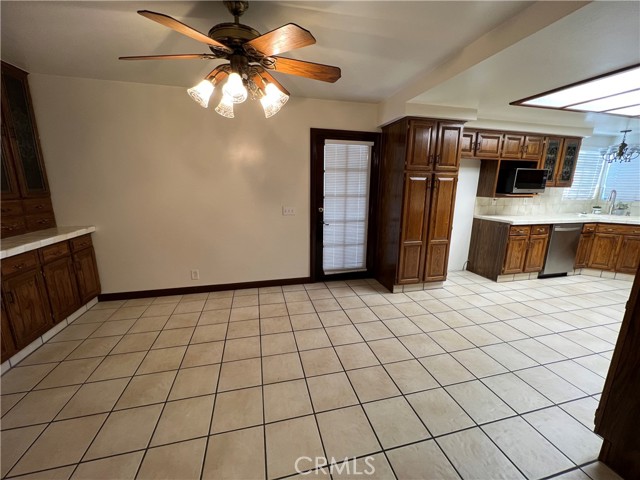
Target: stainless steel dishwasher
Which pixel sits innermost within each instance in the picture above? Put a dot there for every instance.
(563, 246)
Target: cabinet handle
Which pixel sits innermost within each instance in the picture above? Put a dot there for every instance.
(19, 266)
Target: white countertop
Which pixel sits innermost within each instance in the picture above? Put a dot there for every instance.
(554, 218)
(31, 241)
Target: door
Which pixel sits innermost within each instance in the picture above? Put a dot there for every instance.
(516, 252)
(550, 158)
(603, 251)
(441, 221)
(536, 253)
(6, 337)
(488, 144)
(415, 212)
(86, 269)
(570, 150)
(584, 250)
(344, 166)
(61, 285)
(421, 144)
(629, 256)
(512, 146)
(448, 146)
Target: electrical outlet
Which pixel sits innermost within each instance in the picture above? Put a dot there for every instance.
(195, 274)
(286, 211)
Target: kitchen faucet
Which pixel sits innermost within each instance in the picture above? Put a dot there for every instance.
(612, 199)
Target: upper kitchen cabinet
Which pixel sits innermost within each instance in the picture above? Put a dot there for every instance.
(519, 146)
(433, 145)
(560, 159)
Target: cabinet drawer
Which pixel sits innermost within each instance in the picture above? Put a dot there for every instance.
(11, 207)
(13, 226)
(521, 230)
(589, 228)
(619, 229)
(55, 251)
(79, 243)
(37, 205)
(40, 221)
(540, 230)
(20, 263)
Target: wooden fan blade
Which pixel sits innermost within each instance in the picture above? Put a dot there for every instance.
(182, 56)
(315, 71)
(182, 28)
(287, 37)
(271, 79)
(218, 74)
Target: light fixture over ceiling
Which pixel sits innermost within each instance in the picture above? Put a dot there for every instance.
(615, 93)
(621, 152)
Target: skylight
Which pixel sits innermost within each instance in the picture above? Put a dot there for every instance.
(616, 93)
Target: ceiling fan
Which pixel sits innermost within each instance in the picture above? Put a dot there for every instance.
(251, 58)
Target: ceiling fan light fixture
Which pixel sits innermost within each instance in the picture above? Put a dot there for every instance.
(225, 107)
(235, 89)
(273, 100)
(202, 92)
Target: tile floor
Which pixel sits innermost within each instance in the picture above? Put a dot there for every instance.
(473, 380)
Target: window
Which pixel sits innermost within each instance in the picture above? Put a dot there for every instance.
(624, 178)
(586, 177)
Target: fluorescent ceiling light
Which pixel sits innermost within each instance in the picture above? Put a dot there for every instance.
(616, 93)
(629, 111)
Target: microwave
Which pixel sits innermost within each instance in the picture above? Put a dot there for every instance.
(526, 180)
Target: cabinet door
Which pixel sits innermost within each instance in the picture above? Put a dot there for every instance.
(440, 221)
(512, 146)
(467, 143)
(27, 306)
(570, 150)
(533, 147)
(515, 256)
(448, 147)
(414, 227)
(550, 158)
(603, 251)
(584, 250)
(61, 285)
(86, 274)
(488, 144)
(536, 252)
(6, 337)
(629, 256)
(420, 148)
(8, 175)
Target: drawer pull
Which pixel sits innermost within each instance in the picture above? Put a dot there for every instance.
(19, 266)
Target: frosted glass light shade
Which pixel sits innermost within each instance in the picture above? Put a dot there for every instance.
(201, 93)
(225, 107)
(273, 100)
(234, 89)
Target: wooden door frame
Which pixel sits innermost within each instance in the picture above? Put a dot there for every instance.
(317, 140)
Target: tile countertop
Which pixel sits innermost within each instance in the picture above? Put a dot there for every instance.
(560, 218)
(31, 241)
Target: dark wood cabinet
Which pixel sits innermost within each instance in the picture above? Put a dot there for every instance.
(515, 255)
(440, 223)
(629, 256)
(584, 245)
(488, 144)
(603, 251)
(522, 147)
(420, 145)
(414, 228)
(560, 159)
(526, 249)
(536, 253)
(6, 337)
(533, 147)
(448, 146)
(467, 143)
(613, 247)
(512, 146)
(86, 268)
(60, 280)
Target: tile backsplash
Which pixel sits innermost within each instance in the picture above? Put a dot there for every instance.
(550, 201)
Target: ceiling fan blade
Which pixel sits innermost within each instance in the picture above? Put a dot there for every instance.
(315, 71)
(182, 28)
(282, 39)
(271, 79)
(182, 56)
(217, 74)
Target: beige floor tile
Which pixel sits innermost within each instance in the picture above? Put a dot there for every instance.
(536, 350)
(402, 326)
(600, 471)
(116, 366)
(581, 377)
(320, 294)
(296, 296)
(374, 330)
(333, 318)
(39, 406)
(421, 460)
(390, 350)
(347, 433)
(450, 340)
(122, 467)
(94, 347)
(218, 303)
(344, 334)
(184, 420)
(228, 454)
(275, 325)
(286, 400)
(135, 342)
(372, 383)
(516, 393)
(325, 305)
(60, 444)
(209, 333)
(71, 372)
(421, 345)
(298, 308)
(245, 301)
(203, 354)
(331, 391)
(356, 355)
(271, 298)
(8, 401)
(289, 440)
(15, 443)
(479, 363)
(76, 332)
(62, 473)
(428, 322)
(147, 389)
(372, 467)
(319, 362)
(446, 369)
(214, 317)
(454, 319)
(478, 335)
(237, 409)
(582, 410)
(549, 384)
(504, 332)
(508, 356)
(410, 376)
(111, 328)
(162, 360)
(195, 381)
(278, 343)
(395, 423)
(173, 338)
(51, 352)
(159, 310)
(182, 320)
(439, 412)
(305, 321)
(534, 455)
(310, 339)
(181, 460)
(240, 374)
(94, 315)
(189, 307)
(245, 328)
(92, 398)
(244, 313)
(361, 315)
(125, 313)
(479, 402)
(125, 431)
(350, 302)
(241, 348)
(279, 368)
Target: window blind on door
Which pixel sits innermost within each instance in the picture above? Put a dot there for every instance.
(346, 205)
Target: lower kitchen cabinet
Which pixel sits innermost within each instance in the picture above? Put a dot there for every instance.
(6, 337)
(629, 256)
(603, 251)
(515, 255)
(61, 287)
(86, 274)
(536, 253)
(584, 245)
(611, 247)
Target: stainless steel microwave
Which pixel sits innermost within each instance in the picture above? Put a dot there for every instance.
(526, 180)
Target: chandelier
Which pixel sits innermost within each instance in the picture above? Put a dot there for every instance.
(622, 152)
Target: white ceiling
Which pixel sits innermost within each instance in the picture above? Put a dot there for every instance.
(381, 47)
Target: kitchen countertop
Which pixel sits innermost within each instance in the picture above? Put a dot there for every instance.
(31, 241)
(555, 218)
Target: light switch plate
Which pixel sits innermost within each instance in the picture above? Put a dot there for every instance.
(288, 211)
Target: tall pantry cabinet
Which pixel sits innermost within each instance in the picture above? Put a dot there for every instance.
(418, 178)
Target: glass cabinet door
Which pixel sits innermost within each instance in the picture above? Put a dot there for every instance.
(551, 155)
(564, 177)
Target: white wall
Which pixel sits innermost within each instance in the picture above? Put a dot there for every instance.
(463, 213)
(172, 187)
